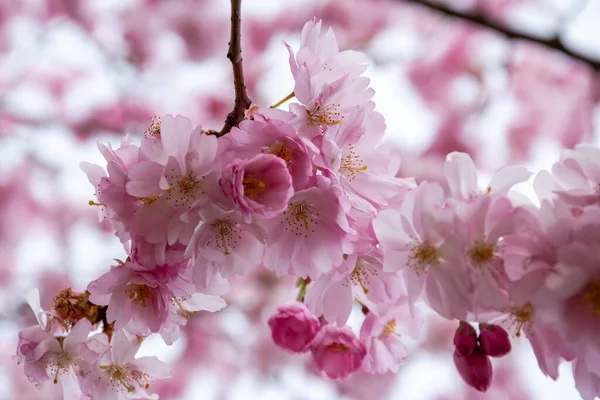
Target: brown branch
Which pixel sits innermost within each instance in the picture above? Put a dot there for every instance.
(242, 101)
(477, 18)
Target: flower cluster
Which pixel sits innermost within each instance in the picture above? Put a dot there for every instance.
(488, 255)
(312, 193)
(82, 363)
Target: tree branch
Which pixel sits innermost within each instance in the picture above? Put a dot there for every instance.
(242, 101)
(477, 18)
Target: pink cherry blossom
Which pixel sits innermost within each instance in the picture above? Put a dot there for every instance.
(138, 299)
(259, 187)
(223, 242)
(118, 375)
(311, 236)
(320, 109)
(415, 238)
(34, 366)
(336, 352)
(319, 52)
(359, 276)
(575, 178)
(293, 327)
(172, 180)
(113, 200)
(56, 358)
(381, 336)
(353, 157)
(271, 136)
(461, 175)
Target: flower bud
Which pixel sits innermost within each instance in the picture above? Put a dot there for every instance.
(494, 340)
(337, 352)
(465, 339)
(475, 369)
(293, 327)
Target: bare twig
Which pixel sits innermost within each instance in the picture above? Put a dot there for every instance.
(242, 101)
(478, 18)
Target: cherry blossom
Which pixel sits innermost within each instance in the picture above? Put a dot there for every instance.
(337, 352)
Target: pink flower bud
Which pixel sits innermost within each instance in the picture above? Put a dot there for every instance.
(494, 340)
(293, 327)
(465, 339)
(337, 352)
(475, 369)
(260, 186)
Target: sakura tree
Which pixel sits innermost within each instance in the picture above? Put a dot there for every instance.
(261, 234)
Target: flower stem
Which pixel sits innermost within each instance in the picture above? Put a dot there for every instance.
(280, 102)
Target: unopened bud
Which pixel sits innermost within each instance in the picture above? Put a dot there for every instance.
(475, 369)
(465, 339)
(494, 340)
(293, 327)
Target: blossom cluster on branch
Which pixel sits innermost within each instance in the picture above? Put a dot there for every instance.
(313, 193)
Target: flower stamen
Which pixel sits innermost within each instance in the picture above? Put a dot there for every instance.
(139, 294)
(253, 187)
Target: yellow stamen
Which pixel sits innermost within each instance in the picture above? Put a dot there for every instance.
(338, 348)
(390, 327)
(352, 163)
(522, 317)
(361, 274)
(422, 256)
(139, 294)
(282, 151)
(591, 298)
(481, 252)
(324, 115)
(186, 313)
(253, 187)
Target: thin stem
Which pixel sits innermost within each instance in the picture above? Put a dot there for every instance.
(242, 101)
(478, 18)
(302, 284)
(280, 102)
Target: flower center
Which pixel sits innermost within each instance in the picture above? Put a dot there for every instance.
(139, 294)
(60, 364)
(591, 298)
(300, 218)
(361, 275)
(521, 317)
(422, 256)
(338, 348)
(125, 376)
(223, 235)
(324, 115)
(390, 328)
(253, 187)
(481, 253)
(352, 164)
(282, 151)
(153, 129)
(184, 190)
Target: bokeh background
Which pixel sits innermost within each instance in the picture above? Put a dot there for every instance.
(75, 72)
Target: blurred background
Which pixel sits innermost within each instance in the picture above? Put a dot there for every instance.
(508, 81)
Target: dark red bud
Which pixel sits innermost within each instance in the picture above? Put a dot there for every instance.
(465, 339)
(494, 340)
(475, 369)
